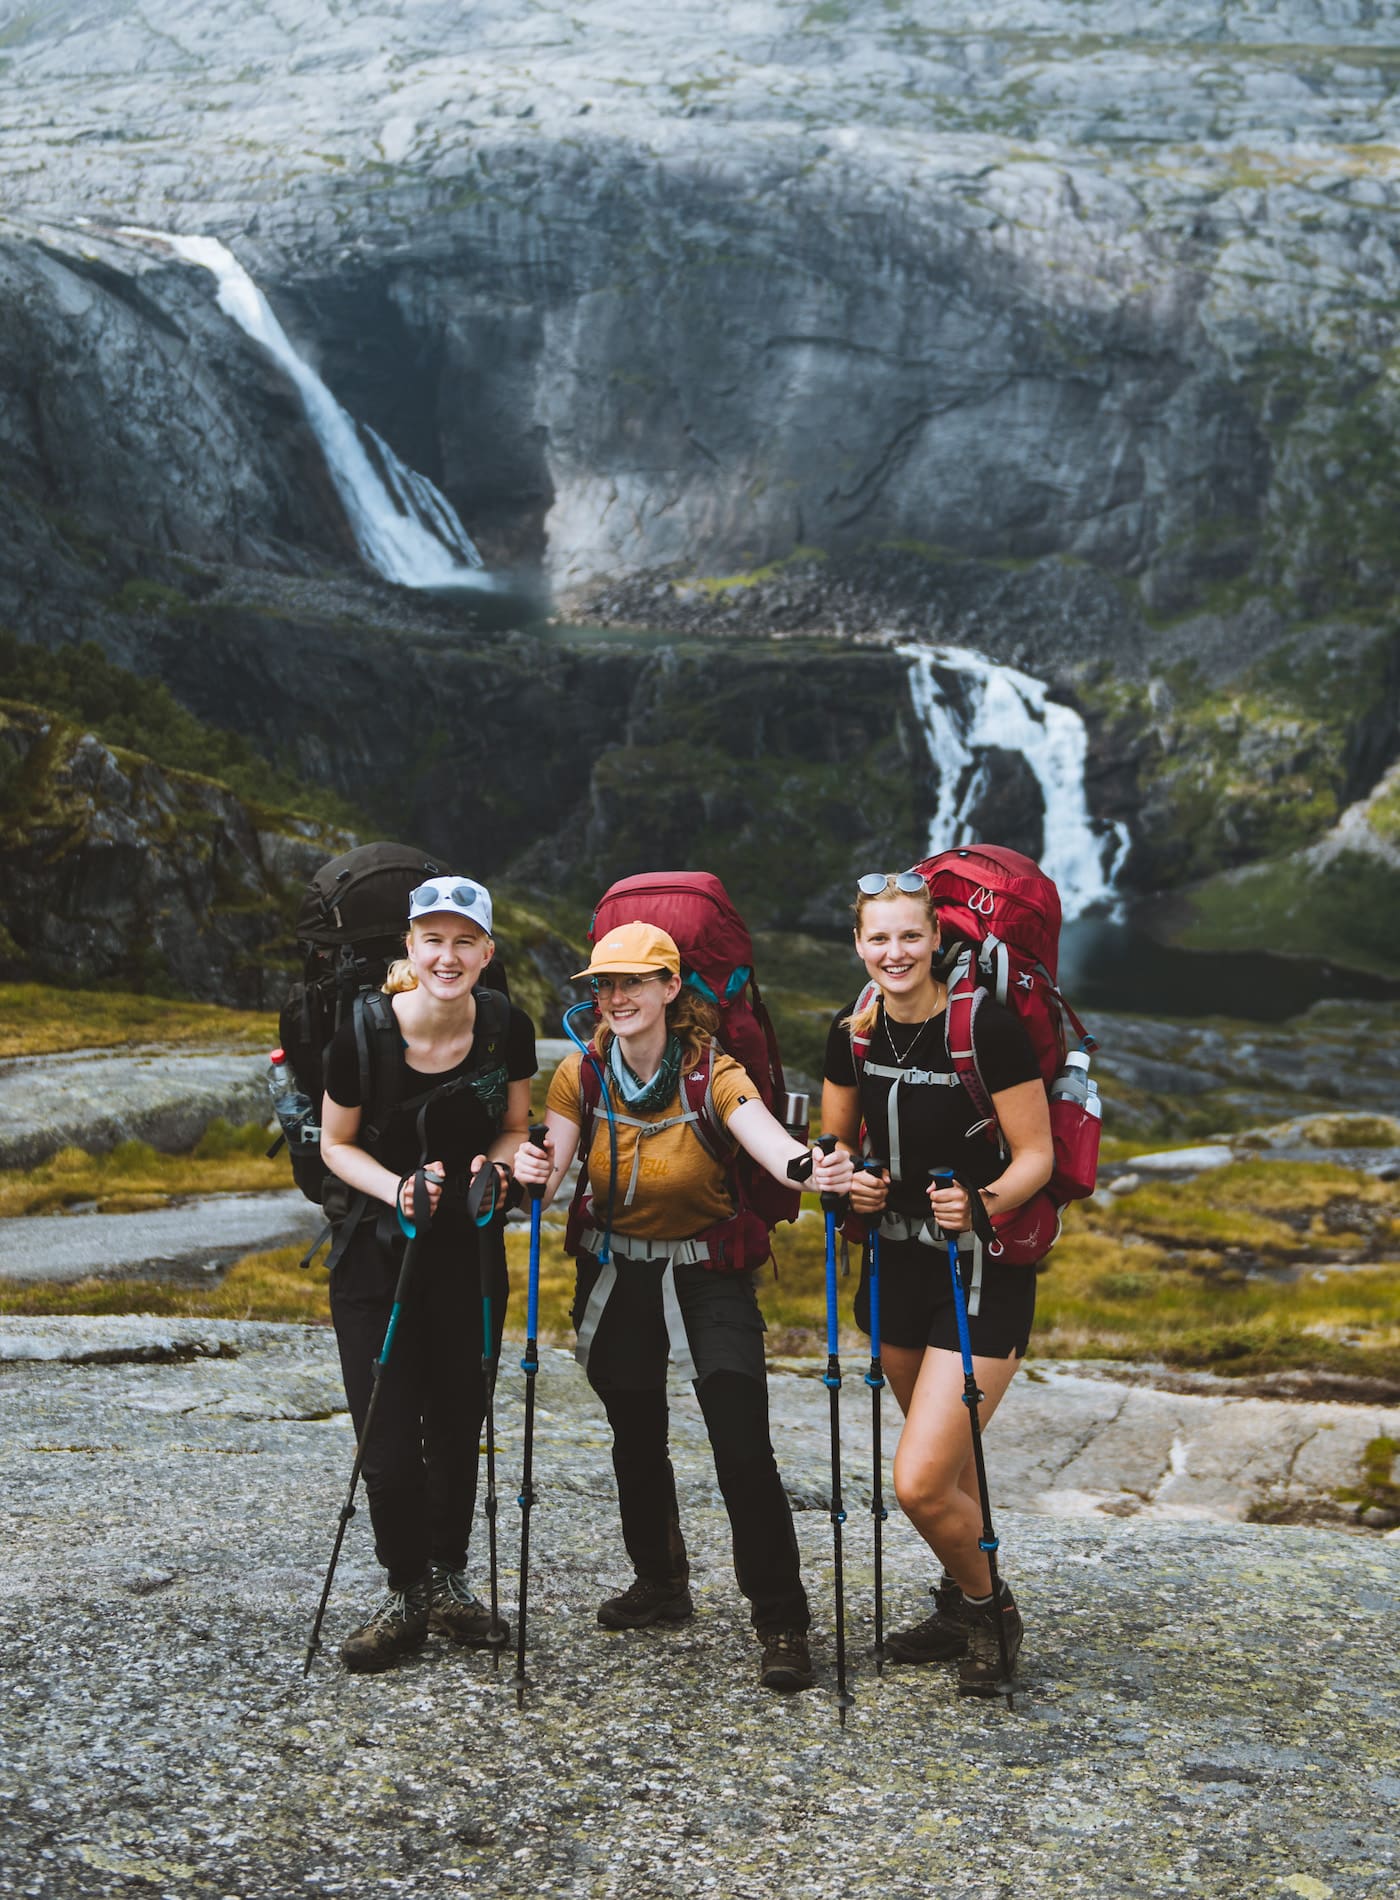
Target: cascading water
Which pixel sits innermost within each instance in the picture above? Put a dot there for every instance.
(405, 527)
(1003, 708)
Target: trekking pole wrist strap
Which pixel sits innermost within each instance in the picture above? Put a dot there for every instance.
(980, 1219)
(418, 1181)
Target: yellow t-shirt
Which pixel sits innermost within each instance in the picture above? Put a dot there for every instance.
(681, 1189)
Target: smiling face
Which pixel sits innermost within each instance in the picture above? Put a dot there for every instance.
(447, 953)
(896, 940)
(633, 1006)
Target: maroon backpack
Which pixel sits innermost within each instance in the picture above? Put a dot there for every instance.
(694, 909)
(1001, 913)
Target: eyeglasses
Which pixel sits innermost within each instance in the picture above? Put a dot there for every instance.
(876, 881)
(627, 985)
(428, 894)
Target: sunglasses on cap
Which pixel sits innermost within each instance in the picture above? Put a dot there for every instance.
(876, 881)
(429, 894)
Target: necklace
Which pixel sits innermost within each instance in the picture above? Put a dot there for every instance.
(902, 1056)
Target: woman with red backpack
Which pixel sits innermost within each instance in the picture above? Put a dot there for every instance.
(889, 1072)
(658, 1277)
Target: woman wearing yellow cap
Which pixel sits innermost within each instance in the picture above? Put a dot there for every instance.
(647, 1239)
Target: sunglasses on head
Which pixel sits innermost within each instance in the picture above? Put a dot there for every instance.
(426, 894)
(876, 881)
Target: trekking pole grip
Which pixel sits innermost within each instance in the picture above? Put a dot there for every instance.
(538, 1134)
(831, 1203)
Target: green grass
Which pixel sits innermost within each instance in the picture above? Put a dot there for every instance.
(1262, 1266)
(38, 1020)
(260, 1286)
(134, 1177)
(1347, 912)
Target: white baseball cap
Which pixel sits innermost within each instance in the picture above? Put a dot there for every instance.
(459, 895)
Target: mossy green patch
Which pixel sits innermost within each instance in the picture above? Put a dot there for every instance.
(83, 688)
(1344, 911)
(756, 576)
(268, 1286)
(1377, 1488)
(38, 1019)
(133, 1175)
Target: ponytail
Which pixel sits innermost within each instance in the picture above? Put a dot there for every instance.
(399, 978)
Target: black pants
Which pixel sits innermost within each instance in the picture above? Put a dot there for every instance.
(420, 1465)
(723, 1323)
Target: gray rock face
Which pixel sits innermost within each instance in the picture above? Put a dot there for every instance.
(93, 1100)
(117, 871)
(1100, 285)
(173, 1517)
(1095, 307)
(131, 408)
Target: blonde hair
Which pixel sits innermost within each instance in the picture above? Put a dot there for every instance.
(861, 1021)
(689, 1017)
(399, 976)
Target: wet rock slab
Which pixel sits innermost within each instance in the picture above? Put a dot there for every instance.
(1204, 1709)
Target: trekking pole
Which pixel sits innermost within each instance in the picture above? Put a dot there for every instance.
(972, 1399)
(484, 1192)
(875, 1379)
(419, 1195)
(529, 1365)
(831, 1379)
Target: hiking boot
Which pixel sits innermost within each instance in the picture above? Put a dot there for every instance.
(645, 1602)
(461, 1617)
(939, 1637)
(787, 1663)
(980, 1671)
(396, 1628)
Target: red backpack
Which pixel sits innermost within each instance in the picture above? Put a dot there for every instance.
(1004, 914)
(694, 909)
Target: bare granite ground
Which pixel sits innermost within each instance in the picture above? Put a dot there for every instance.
(189, 1240)
(95, 1098)
(1206, 1708)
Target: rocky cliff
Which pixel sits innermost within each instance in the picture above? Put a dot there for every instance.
(1087, 315)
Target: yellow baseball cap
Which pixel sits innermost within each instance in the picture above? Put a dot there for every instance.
(633, 948)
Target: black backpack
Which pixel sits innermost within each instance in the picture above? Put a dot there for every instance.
(349, 930)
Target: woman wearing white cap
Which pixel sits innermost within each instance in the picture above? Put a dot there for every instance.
(654, 1294)
(461, 1061)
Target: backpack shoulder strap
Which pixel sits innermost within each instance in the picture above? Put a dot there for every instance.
(492, 1026)
(965, 996)
(590, 1094)
(378, 1041)
(698, 1093)
(860, 1039)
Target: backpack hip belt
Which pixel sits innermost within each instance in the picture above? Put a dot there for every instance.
(907, 1227)
(673, 1252)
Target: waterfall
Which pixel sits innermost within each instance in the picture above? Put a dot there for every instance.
(405, 527)
(1000, 707)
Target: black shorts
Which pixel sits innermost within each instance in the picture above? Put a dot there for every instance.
(630, 1348)
(916, 1301)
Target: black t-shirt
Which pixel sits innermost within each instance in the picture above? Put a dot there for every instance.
(933, 1117)
(460, 1126)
